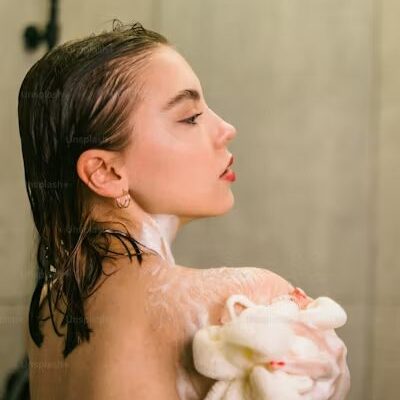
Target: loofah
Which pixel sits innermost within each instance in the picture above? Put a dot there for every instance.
(287, 350)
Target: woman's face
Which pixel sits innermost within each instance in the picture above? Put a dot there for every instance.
(176, 159)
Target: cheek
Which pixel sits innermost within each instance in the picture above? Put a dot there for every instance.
(166, 168)
(181, 180)
(194, 169)
(180, 171)
(176, 163)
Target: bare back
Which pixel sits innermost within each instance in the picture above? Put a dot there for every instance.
(143, 320)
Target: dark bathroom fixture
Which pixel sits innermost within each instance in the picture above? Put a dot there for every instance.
(34, 36)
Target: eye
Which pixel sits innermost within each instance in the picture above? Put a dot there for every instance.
(191, 120)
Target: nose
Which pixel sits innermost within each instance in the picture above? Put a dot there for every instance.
(227, 132)
(230, 131)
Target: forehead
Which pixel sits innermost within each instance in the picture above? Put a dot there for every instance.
(167, 74)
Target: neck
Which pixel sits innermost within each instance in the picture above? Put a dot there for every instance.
(158, 231)
(155, 231)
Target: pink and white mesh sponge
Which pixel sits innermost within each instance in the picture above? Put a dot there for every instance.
(281, 351)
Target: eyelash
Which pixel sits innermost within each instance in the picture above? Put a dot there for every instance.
(186, 121)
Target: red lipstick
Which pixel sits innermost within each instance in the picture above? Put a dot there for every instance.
(228, 174)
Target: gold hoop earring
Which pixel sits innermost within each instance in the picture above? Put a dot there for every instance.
(124, 200)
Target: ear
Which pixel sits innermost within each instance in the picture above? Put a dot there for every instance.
(103, 172)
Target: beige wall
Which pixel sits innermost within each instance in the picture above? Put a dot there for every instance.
(313, 90)
(15, 221)
(386, 349)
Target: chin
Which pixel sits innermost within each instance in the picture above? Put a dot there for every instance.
(226, 206)
(209, 208)
(214, 212)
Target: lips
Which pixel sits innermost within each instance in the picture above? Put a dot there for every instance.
(229, 164)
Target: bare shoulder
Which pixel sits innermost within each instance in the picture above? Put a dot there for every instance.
(210, 288)
(256, 282)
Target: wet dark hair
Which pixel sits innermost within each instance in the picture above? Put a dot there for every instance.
(76, 97)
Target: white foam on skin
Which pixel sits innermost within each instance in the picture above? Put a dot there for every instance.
(157, 233)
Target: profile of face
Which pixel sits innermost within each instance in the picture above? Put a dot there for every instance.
(179, 149)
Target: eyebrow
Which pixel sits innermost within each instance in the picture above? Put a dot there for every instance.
(185, 94)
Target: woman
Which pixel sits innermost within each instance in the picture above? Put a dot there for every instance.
(120, 150)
